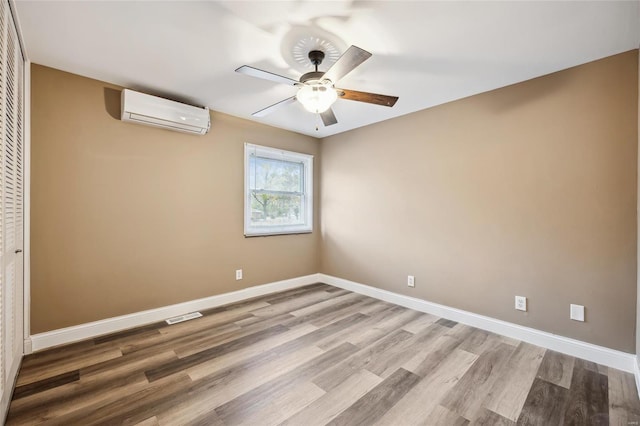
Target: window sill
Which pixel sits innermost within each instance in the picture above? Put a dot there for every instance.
(275, 233)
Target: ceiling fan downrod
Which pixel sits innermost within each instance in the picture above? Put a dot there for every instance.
(316, 57)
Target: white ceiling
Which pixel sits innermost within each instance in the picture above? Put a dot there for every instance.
(427, 53)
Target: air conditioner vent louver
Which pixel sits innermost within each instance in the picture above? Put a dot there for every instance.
(182, 318)
(159, 112)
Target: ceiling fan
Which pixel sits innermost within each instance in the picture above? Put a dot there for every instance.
(316, 88)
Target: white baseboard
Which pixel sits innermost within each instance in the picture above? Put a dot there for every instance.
(599, 354)
(89, 330)
(636, 373)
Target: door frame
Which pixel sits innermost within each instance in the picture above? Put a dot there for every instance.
(26, 205)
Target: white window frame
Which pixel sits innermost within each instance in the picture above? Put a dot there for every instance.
(279, 154)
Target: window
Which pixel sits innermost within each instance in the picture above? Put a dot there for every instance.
(278, 191)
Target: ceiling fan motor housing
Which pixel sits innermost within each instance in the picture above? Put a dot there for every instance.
(310, 76)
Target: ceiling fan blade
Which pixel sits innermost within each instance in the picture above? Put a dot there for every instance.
(371, 98)
(346, 63)
(328, 117)
(272, 108)
(266, 75)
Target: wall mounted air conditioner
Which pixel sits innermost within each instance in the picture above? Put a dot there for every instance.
(159, 112)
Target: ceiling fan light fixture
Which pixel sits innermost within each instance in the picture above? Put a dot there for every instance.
(317, 97)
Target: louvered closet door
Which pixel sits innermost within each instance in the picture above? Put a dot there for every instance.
(4, 388)
(12, 199)
(11, 203)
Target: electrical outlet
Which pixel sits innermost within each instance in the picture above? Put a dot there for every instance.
(521, 303)
(576, 312)
(411, 281)
(238, 274)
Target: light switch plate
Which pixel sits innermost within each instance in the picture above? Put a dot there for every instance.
(577, 312)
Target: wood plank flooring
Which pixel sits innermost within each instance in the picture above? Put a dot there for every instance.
(316, 355)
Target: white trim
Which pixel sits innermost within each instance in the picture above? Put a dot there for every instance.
(62, 336)
(14, 14)
(637, 333)
(599, 354)
(636, 373)
(26, 200)
(307, 196)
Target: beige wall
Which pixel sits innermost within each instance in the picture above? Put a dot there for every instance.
(527, 190)
(127, 217)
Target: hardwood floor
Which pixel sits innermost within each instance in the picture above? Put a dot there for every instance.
(313, 356)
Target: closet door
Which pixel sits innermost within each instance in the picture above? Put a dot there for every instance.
(11, 202)
(11, 198)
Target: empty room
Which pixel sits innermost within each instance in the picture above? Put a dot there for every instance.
(319, 212)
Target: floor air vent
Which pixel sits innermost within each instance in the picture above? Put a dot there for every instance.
(185, 317)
